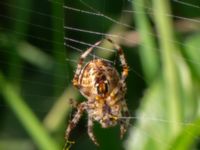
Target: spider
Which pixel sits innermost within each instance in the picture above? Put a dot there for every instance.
(100, 83)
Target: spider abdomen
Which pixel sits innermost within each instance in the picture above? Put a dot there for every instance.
(98, 78)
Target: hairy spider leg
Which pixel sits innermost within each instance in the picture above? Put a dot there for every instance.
(122, 60)
(123, 123)
(80, 109)
(90, 130)
(122, 84)
(90, 123)
(80, 64)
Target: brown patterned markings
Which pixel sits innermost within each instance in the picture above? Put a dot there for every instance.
(104, 90)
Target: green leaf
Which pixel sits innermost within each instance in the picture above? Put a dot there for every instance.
(187, 137)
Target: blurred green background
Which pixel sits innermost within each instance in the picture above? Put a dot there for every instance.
(40, 42)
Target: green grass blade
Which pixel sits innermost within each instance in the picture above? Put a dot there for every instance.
(188, 136)
(59, 50)
(168, 50)
(26, 117)
(18, 27)
(192, 53)
(148, 53)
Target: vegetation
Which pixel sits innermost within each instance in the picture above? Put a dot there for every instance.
(161, 40)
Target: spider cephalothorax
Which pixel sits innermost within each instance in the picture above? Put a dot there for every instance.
(100, 83)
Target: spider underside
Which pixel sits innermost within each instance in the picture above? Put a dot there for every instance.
(103, 87)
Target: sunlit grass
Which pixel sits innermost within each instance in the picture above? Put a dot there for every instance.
(35, 78)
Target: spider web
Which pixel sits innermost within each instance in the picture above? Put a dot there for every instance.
(117, 26)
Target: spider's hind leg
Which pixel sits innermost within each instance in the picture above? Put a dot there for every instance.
(124, 122)
(80, 108)
(90, 131)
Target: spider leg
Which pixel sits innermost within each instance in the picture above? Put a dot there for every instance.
(90, 131)
(118, 92)
(74, 121)
(122, 128)
(122, 59)
(80, 64)
(73, 103)
(124, 122)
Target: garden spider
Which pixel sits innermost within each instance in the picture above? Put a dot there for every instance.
(100, 83)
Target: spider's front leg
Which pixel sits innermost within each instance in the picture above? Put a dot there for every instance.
(90, 131)
(122, 60)
(80, 64)
(80, 108)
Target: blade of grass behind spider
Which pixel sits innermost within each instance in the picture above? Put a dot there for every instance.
(169, 70)
(56, 116)
(26, 116)
(185, 140)
(58, 49)
(148, 53)
(19, 27)
(160, 114)
(192, 52)
(59, 110)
